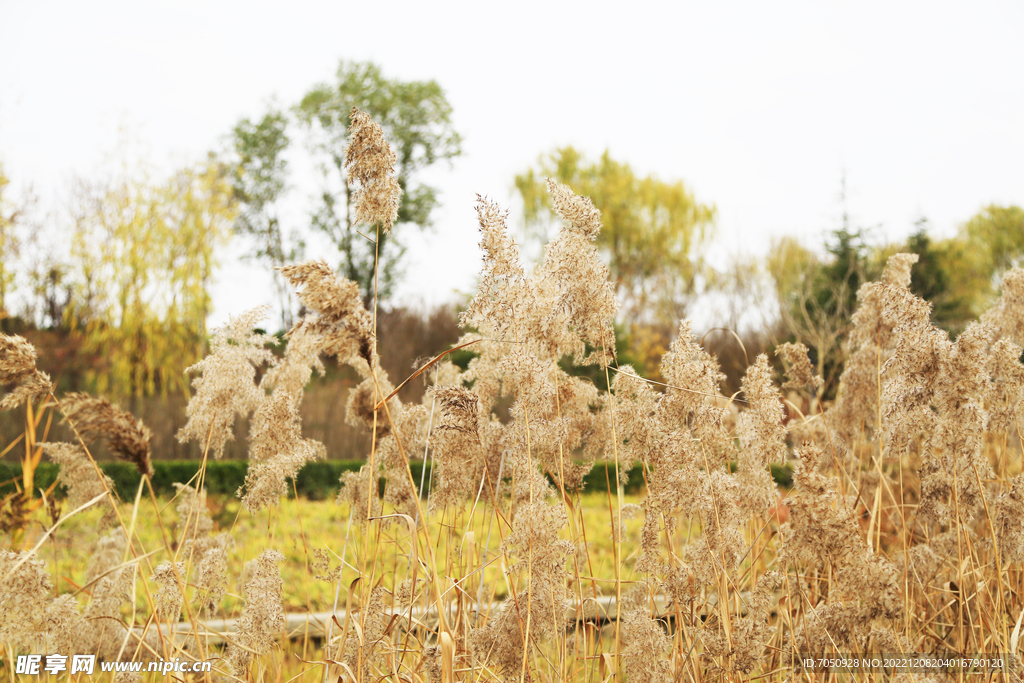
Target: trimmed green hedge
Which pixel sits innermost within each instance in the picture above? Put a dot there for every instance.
(316, 481)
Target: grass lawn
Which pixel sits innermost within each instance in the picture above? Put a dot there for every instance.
(298, 527)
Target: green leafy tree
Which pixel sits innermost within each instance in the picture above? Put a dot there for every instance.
(416, 119)
(817, 295)
(992, 242)
(652, 229)
(840, 277)
(960, 275)
(259, 181)
(932, 279)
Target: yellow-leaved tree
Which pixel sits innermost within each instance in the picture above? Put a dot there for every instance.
(651, 237)
(8, 243)
(651, 231)
(144, 253)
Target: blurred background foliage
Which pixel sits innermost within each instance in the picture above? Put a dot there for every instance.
(113, 289)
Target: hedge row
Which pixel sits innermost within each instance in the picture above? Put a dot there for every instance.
(316, 481)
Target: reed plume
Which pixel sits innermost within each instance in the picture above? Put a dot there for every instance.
(262, 619)
(226, 388)
(95, 418)
(369, 166)
(18, 366)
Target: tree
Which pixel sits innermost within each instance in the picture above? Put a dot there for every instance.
(652, 229)
(416, 119)
(258, 182)
(31, 293)
(10, 242)
(932, 279)
(960, 275)
(996, 236)
(143, 256)
(817, 296)
(8, 245)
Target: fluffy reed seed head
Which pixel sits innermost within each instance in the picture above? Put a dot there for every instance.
(458, 451)
(322, 568)
(692, 372)
(354, 488)
(1008, 518)
(407, 592)
(226, 388)
(106, 632)
(368, 647)
(459, 409)
(646, 647)
(334, 298)
(301, 358)
(194, 519)
(750, 635)
(503, 296)
(63, 626)
(579, 213)
(18, 365)
(897, 269)
(871, 338)
(24, 587)
(370, 166)
(636, 412)
(819, 525)
(263, 616)
(343, 327)
(799, 372)
(79, 476)
(201, 547)
(581, 302)
(500, 645)
(537, 550)
(820, 531)
(935, 388)
(212, 582)
(96, 418)
(169, 598)
(1007, 315)
(677, 434)
(763, 436)
(1004, 400)
(277, 451)
(106, 554)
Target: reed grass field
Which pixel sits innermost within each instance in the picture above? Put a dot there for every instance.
(895, 555)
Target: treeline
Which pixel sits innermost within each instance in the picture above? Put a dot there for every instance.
(116, 296)
(655, 233)
(815, 291)
(417, 335)
(120, 280)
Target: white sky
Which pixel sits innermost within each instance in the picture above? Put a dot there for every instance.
(758, 106)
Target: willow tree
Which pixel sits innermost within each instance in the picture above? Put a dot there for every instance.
(652, 229)
(144, 256)
(9, 242)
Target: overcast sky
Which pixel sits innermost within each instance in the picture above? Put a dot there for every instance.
(759, 107)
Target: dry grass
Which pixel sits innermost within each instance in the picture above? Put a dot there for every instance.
(903, 533)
